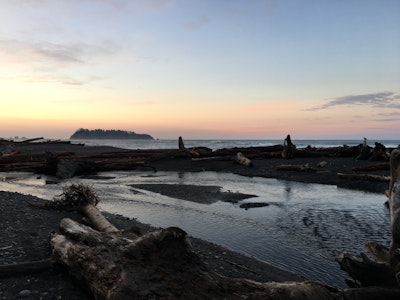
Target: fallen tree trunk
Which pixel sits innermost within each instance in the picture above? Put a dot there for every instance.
(367, 177)
(162, 265)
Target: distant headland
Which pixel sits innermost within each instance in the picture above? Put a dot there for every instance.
(101, 134)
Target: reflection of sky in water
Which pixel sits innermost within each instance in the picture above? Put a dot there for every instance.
(302, 229)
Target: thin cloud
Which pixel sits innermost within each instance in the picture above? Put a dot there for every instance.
(78, 53)
(378, 100)
(387, 117)
(47, 60)
(204, 20)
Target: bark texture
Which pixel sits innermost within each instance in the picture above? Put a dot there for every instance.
(162, 265)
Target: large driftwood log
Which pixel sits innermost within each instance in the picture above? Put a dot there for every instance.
(394, 206)
(162, 265)
(384, 270)
(116, 264)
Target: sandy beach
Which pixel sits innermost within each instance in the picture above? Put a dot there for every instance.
(25, 227)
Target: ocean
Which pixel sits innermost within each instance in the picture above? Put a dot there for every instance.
(302, 230)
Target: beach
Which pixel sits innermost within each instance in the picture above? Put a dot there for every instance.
(21, 242)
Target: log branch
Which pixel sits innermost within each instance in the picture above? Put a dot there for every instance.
(25, 267)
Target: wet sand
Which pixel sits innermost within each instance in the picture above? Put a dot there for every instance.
(25, 228)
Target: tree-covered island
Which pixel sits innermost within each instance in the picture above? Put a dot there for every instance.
(98, 134)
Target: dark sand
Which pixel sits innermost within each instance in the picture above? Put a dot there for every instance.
(25, 229)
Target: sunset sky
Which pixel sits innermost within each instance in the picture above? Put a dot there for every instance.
(201, 69)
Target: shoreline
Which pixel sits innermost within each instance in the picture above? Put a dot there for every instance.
(21, 243)
(266, 167)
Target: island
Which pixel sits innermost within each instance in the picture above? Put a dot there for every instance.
(101, 134)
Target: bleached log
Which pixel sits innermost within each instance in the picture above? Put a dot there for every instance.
(81, 198)
(242, 160)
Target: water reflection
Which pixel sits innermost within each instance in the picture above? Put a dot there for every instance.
(302, 230)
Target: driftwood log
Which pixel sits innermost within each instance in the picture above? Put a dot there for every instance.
(162, 265)
(367, 177)
(384, 268)
(298, 168)
(288, 148)
(115, 264)
(242, 160)
(67, 164)
(375, 167)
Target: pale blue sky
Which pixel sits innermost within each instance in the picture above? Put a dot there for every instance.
(202, 69)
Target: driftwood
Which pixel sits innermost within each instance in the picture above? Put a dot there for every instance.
(288, 148)
(181, 145)
(81, 198)
(384, 269)
(239, 158)
(116, 264)
(162, 265)
(242, 160)
(25, 267)
(367, 177)
(298, 168)
(375, 167)
(67, 164)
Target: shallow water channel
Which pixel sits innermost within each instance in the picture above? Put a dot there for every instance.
(301, 230)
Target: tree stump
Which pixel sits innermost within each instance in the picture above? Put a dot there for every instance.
(288, 148)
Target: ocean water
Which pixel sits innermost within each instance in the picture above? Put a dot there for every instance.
(302, 230)
(220, 144)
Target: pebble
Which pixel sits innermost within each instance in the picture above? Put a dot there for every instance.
(24, 293)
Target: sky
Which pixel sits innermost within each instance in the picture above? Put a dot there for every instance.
(209, 69)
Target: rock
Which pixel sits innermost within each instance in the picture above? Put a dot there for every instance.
(25, 293)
